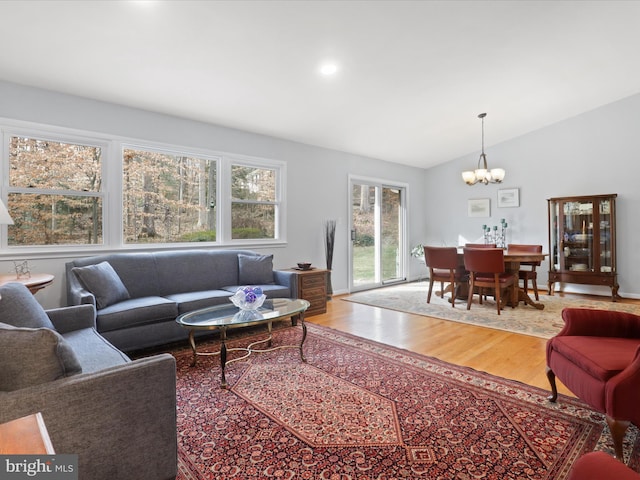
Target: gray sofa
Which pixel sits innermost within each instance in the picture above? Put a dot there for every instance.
(117, 415)
(138, 296)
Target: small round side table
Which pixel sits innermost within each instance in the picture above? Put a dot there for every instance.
(37, 281)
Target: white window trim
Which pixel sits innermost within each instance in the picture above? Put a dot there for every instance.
(54, 135)
(112, 190)
(280, 168)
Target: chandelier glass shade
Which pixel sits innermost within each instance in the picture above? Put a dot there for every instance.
(482, 174)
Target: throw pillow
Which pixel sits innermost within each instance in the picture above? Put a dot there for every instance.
(255, 269)
(103, 281)
(18, 307)
(32, 356)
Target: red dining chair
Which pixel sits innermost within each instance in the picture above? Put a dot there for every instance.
(597, 356)
(444, 267)
(481, 245)
(486, 270)
(528, 273)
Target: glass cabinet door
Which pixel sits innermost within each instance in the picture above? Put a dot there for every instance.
(606, 237)
(577, 236)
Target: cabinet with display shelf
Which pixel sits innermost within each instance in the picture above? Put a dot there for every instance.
(582, 241)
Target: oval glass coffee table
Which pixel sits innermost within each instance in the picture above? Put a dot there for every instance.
(227, 317)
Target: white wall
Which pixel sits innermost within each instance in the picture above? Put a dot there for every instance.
(593, 153)
(316, 184)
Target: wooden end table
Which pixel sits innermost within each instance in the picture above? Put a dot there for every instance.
(35, 282)
(25, 436)
(312, 286)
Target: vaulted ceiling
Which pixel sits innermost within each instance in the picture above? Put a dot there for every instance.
(411, 77)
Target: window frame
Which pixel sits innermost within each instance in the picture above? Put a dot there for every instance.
(280, 211)
(173, 152)
(57, 136)
(112, 195)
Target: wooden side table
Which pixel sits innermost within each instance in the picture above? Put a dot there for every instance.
(37, 281)
(312, 286)
(25, 436)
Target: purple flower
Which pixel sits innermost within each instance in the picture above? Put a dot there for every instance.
(251, 293)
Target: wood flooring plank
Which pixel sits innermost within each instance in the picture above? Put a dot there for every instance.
(509, 355)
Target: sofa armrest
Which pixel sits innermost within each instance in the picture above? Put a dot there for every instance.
(76, 293)
(600, 323)
(121, 421)
(287, 279)
(68, 319)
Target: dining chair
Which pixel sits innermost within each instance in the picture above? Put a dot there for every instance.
(486, 270)
(444, 267)
(481, 245)
(528, 273)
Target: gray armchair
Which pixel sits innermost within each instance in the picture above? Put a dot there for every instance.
(118, 415)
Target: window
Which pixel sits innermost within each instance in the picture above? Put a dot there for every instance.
(253, 202)
(55, 193)
(72, 190)
(168, 198)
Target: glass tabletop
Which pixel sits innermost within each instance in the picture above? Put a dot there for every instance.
(229, 315)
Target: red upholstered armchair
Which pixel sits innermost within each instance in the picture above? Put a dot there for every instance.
(598, 466)
(597, 357)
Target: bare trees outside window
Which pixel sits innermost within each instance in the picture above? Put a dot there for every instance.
(253, 203)
(168, 198)
(55, 193)
(71, 190)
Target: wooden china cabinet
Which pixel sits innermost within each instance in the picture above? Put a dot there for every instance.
(582, 241)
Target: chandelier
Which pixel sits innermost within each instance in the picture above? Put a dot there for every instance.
(482, 173)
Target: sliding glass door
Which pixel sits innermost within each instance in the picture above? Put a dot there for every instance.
(377, 219)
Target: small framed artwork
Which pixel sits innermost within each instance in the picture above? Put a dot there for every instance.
(508, 197)
(479, 207)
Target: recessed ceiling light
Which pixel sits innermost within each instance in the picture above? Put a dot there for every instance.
(328, 69)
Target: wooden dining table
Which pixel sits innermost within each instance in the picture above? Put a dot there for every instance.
(512, 263)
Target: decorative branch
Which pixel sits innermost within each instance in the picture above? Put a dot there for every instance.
(329, 241)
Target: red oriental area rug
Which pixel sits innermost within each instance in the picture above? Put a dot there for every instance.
(361, 410)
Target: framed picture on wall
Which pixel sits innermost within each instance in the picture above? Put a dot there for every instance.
(479, 207)
(508, 197)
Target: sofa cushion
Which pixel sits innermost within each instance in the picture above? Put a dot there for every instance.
(103, 281)
(93, 351)
(601, 357)
(190, 301)
(18, 307)
(31, 356)
(255, 269)
(135, 312)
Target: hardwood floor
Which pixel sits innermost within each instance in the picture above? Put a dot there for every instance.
(509, 355)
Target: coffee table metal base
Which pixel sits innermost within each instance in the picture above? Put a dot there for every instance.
(249, 349)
